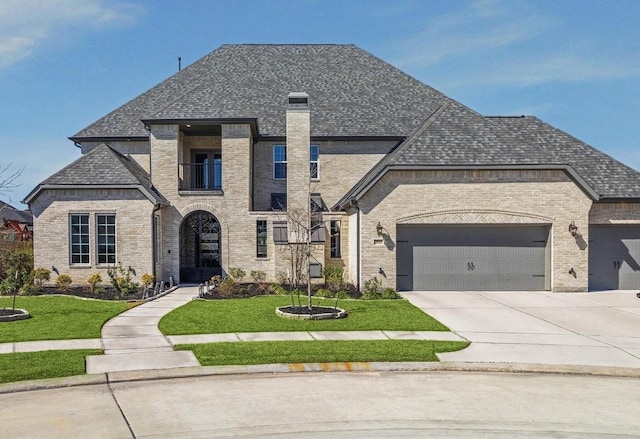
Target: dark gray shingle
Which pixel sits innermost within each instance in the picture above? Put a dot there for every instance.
(352, 93)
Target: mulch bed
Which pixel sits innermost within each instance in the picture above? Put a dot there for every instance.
(108, 293)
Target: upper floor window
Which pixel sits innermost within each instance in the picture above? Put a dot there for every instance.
(314, 161)
(106, 238)
(279, 161)
(79, 235)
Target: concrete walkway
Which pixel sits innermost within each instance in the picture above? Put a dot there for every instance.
(132, 340)
(600, 329)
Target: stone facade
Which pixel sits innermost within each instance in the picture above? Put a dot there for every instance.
(134, 245)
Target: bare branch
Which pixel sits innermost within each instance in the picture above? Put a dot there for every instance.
(8, 178)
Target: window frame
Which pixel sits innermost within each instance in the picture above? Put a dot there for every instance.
(84, 256)
(316, 162)
(335, 244)
(280, 232)
(261, 240)
(279, 159)
(110, 253)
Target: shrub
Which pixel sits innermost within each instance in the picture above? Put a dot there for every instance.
(334, 277)
(228, 287)
(40, 275)
(147, 279)
(390, 293)
(93, 282)
(63, 282)
(258, 276)
(282, 278)
(278, 290)
(325, 292)
(121, 279)
(237, 274)
(371, 289)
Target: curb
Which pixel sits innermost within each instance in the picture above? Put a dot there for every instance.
(341, 367)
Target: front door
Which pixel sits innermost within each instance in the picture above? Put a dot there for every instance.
(200, 248)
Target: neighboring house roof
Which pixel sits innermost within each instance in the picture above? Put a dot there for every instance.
(102, 167)
(457, 137)
(352, 93)
(10, 213)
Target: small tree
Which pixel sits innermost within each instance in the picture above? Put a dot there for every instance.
(94, 280)
(17, 269)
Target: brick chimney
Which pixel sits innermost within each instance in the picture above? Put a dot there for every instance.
(298, 141)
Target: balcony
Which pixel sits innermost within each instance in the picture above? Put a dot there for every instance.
(200, 177)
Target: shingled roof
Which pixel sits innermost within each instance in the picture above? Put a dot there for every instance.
(101, 167)
(352, 93)
(455, 136)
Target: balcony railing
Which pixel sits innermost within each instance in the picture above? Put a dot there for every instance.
(201, 176)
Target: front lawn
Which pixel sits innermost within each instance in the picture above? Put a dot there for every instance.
(59, 318)
(22, 366)
(243, 353)
(258, 315)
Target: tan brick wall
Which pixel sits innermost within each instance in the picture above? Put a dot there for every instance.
(479, 197)
(51, 210)
(342, 165)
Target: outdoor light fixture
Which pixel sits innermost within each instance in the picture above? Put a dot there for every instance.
(573, 229)
(379, 228)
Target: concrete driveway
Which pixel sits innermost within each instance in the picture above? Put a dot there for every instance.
(578, 329)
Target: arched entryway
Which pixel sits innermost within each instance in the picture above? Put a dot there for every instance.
(200, 247)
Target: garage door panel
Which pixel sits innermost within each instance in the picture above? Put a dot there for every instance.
(614, 257)
(471, 257)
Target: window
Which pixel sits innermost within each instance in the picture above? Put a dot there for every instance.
(278, 201)
(106, 238)
(79, 231)
(314, 162)
(317, 230)
(279, 162)
(316, 203)
(261, 238)
(280, 234)
(335, 239)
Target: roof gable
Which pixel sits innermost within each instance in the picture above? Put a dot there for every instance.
(352, 93)
(102, 166)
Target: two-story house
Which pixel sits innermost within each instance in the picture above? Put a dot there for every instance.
(203, 171)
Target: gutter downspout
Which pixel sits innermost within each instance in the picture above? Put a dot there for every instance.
(354, 203)
(154, 234)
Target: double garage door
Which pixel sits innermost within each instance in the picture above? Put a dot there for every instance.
(614, 257)
(471, 257)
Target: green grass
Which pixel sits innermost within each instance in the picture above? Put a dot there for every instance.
(58, 318)
(243, 353)
(22, 366)
(258, 315)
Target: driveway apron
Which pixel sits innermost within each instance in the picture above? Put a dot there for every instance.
(132, 340)
(580, 329)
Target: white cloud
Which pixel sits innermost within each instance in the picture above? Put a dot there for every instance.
(494, 42)
(27, 25)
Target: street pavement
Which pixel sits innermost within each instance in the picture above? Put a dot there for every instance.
(600, 329)
(319, 405)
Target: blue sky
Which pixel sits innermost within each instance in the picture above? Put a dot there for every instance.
(65, 63)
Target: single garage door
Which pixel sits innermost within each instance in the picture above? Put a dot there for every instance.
(614, 257)
(471, 257)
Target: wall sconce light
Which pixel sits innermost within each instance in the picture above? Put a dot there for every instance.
(55, 270)
(573, 229)
(379, 228)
